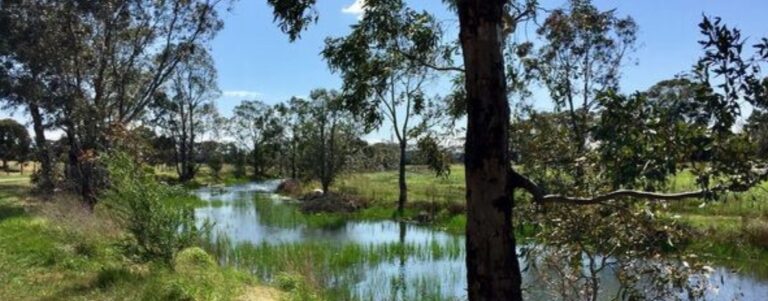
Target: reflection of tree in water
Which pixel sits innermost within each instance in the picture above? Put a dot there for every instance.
(399, 284)
(559, 273)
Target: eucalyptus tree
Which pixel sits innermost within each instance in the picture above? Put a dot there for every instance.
(257, 129)
(386, 63)
(27, 72)
(292, 114)
(110, 59)
(14, 142)
(493, 270)
(183, 110)
(492, 267)
(583, 52)
(331, 135)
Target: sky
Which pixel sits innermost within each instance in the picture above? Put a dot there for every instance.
(255, 60)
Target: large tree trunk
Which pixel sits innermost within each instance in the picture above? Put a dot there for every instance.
(493, 272)
(401, 181)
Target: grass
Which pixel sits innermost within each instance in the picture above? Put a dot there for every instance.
(328, 270)
(204, 176)
(58, 250)
(423, 186)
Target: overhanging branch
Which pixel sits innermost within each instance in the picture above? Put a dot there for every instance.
(623, 193)
(540, 196)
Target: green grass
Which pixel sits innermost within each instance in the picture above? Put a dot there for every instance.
(327, 270)
(59, 251)
(423, 185)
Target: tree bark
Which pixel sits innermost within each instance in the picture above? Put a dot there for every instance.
(493, 271)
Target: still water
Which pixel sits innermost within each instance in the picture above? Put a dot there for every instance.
(254, 214)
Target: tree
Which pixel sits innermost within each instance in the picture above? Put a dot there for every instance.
(110, 59)
(331, 136)
(212, 155)
(14, 142)
(25, 73)
(757, 128)
(181, 112)
(584, 51)
(493, 271)
(256, 127)
(291, 116)
(385, 68)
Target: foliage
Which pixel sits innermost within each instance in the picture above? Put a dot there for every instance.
(14, 142)
(183, 108)
(214, 158)
(105, 71)
(157, 216)
(331, 135)
(757, 129)
(256, 127)
(437, 159)
(385, 63)
(581, 58)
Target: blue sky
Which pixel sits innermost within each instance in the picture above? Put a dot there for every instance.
(256, 61)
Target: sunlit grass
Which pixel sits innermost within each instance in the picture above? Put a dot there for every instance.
(58, 250)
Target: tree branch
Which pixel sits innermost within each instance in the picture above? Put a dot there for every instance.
(429, 65)
(516, 180)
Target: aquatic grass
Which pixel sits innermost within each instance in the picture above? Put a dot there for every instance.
(331, 268)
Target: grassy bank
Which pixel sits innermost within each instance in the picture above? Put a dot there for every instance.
(57, 250)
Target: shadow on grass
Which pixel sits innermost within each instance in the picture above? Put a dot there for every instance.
(10, 211)
(107, 279)
(8, 207)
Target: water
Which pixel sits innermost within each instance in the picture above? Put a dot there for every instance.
(253, 214)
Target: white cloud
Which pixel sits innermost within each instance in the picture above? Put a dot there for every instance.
(241, 94)
(357, 8)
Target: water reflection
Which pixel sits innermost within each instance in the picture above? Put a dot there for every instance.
(251, 213)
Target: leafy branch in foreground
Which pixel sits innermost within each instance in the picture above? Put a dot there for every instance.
(642, 139)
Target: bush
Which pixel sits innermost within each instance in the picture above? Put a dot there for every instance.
(193, 258)
(159, 217)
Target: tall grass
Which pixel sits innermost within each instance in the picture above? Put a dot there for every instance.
(326, 270)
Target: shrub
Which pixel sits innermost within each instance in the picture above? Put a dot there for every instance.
(159, 217)
(193, 258)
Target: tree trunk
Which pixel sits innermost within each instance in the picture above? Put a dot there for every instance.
(81, 171)
(294, 150)
(256, 164)
(493, 272)
(401, 181)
